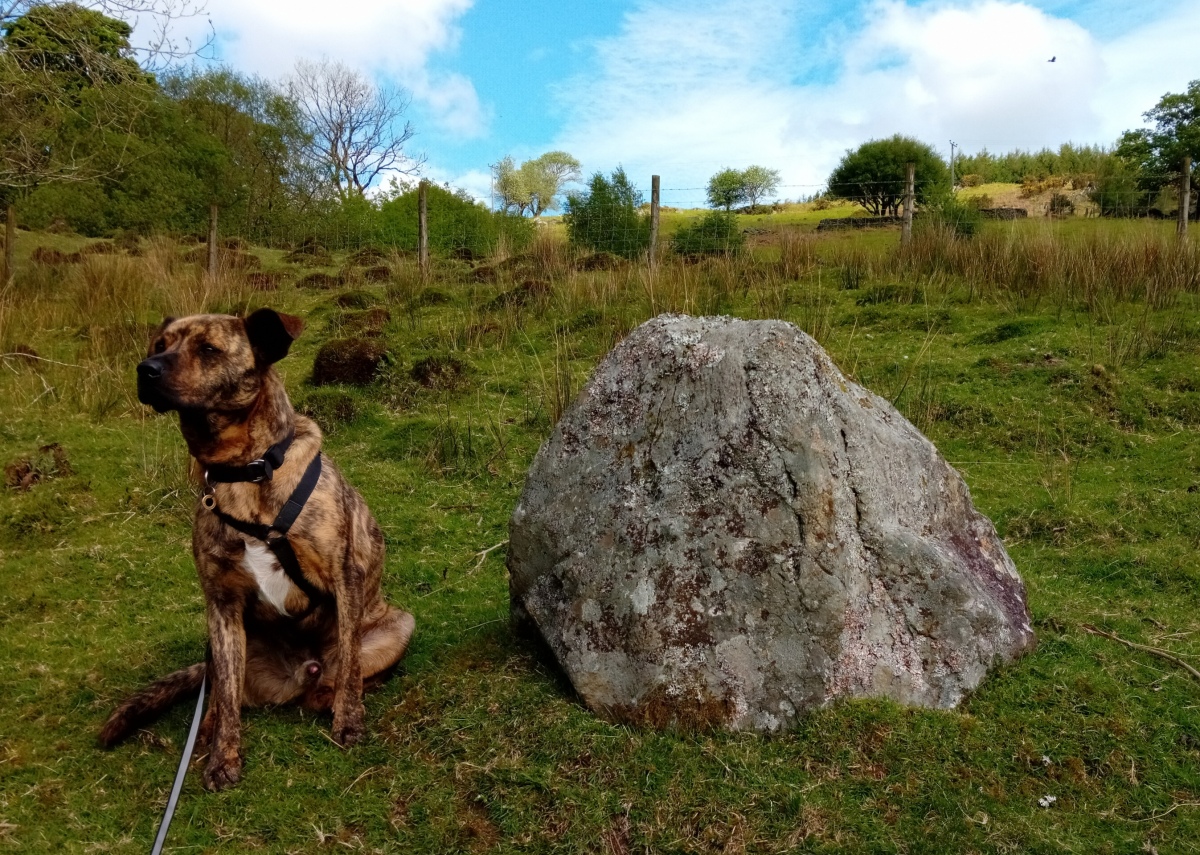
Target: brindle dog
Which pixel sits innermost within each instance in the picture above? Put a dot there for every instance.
(269, 642)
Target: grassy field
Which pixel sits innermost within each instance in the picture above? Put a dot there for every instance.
(1054, 366)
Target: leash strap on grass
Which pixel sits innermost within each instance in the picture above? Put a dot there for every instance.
(165, 825)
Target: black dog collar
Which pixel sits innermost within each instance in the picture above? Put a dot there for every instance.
(256, 471)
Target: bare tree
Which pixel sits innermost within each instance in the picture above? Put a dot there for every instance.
(358, 130)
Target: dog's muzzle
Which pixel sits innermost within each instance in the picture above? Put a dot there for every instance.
(149, 383)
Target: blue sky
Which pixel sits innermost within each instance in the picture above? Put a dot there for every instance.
(686, 87)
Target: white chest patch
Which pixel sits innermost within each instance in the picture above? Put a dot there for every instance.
(273, 583)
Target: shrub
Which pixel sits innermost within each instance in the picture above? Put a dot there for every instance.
(971, 180)
(715, 233)
(1116, 193)
(458, 227)
(606, 217)
(946, 211)
(1060, 206)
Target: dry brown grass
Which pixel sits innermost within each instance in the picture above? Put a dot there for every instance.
(94, 320)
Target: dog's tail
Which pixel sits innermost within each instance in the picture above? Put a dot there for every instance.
(150, 703)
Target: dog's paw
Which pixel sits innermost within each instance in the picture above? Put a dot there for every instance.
(348, 728)
(222, 772)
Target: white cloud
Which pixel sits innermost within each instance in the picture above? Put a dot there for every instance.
(684, 100)
(1146, 64)
(392, 40)
(477, 182)
(979, 73)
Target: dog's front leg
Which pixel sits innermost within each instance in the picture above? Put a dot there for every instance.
(348, 711)
(227, 635)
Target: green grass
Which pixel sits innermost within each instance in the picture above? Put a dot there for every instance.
(1073, 423)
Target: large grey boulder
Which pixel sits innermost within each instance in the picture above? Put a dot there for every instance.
(724, 530)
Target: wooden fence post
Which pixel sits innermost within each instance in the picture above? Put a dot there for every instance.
(10, 244)
(654, 188)
(909, 201)
(1185, 197)
(423, 228)
(213, 257)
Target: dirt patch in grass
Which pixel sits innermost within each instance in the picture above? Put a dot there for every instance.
(50, 461)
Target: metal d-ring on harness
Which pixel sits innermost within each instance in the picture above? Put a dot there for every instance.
(275, 537)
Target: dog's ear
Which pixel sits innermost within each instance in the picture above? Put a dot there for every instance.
(271, 333)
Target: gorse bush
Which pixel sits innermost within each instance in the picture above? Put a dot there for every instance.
(606, 218)
(712, 234)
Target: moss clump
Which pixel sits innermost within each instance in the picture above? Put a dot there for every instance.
(330, 408)
(367, 323)
(441, 372)
(322, 281)
(356, 299)
(355, 362)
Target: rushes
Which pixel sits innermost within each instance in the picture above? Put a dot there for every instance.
(1030, 265)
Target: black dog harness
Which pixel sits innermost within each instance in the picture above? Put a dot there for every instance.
(275, 534)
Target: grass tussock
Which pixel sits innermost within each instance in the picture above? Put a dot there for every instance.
(1055, 367)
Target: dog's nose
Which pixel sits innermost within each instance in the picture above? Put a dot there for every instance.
(149, 370)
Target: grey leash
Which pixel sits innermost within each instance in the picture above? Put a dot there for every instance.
(165, 826)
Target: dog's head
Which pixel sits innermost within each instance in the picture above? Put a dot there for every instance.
(213, 362)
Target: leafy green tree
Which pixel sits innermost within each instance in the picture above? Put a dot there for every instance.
(63, 67)
(1157, 153)
(515, 195)
(263, 182)
(543, 178)
(874, 174)
(726, 189)
(731, 187)
(535, 185)
(1117, 190)
(605, 218)
(757, 182)
(74, 46)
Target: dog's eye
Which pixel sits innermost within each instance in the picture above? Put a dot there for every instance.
(209, 349)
